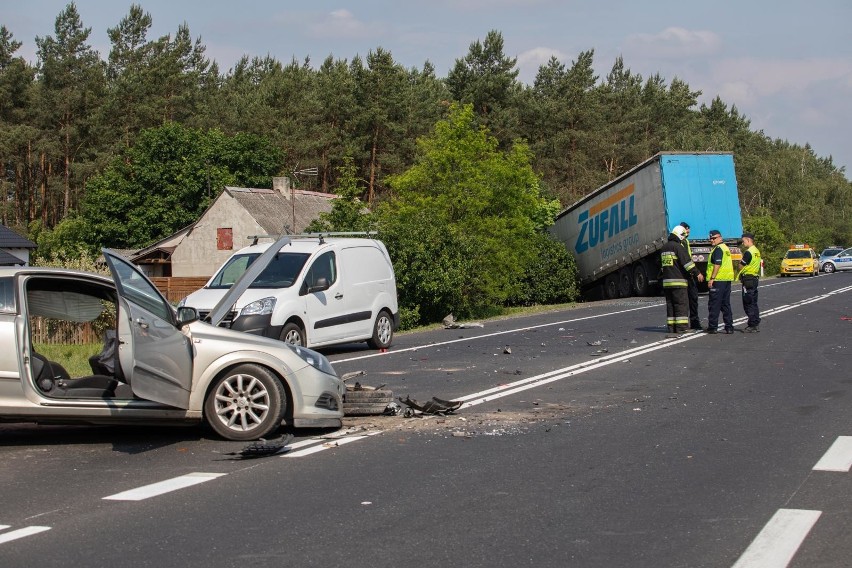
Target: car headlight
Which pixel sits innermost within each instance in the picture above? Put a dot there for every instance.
(259, 307)
(314, 359)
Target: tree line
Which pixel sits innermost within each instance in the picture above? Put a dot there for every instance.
(125, 150)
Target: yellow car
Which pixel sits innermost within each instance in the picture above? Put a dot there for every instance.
(800, 259)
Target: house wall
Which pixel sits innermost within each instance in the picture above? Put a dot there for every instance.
(22, 253)
(198, 254)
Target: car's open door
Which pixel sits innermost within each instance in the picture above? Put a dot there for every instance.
(155, 356)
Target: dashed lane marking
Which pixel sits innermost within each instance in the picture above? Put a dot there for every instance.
(838, 457)
(20, 533)
(162, 487)
(779, 540)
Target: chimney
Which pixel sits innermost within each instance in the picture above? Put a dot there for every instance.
(282, 186)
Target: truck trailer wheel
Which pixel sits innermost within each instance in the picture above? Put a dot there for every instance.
(640, 280)
(625, 282)
(610, 286)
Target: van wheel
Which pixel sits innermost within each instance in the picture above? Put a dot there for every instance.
(382, 331)
(246, 403)
(293, 334)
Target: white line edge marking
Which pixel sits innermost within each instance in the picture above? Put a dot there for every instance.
(838, 457)
(656, 304)
(21, 533)
(780, 539)
(162, 487)
(495, 334)
(4, 527)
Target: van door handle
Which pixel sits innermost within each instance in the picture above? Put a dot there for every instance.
(142, 323)
(338, 296)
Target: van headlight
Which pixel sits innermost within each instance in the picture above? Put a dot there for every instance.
(314, 359)
(259, 307)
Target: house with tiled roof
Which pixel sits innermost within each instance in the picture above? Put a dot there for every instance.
(235, 215)
(14, 249)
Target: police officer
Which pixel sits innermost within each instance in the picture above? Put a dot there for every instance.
(720, 275)
(676, 268)
(749, 277)
(692, 285)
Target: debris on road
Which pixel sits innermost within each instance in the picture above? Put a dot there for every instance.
(434, 406)
(364, 400)
(451, 323)
(263, 447)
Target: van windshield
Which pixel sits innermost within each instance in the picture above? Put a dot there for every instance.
(282, 271)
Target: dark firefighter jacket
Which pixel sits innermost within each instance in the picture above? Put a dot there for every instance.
(676, 263)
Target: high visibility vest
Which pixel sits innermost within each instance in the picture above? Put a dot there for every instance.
(687, 247)
(753, 267)
(726, 270)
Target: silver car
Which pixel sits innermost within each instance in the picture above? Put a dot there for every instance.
(156, 364)
(835, 258)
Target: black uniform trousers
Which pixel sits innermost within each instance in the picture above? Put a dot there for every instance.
(750, 300)
(720, 301)
(692, 292)
(677, 309)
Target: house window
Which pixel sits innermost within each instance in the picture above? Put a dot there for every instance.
(224, 238)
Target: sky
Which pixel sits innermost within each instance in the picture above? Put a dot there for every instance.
(785, 64)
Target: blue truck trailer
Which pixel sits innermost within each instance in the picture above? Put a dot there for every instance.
(615, 232)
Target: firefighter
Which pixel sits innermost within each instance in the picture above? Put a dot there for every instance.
(720, 275)
(692, 285)
(677, 267)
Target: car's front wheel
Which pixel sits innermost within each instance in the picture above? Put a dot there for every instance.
(245, 403)
(828, 268)
(382, 331)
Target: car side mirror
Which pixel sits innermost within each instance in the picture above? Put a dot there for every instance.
(186, 315)
(320, 285)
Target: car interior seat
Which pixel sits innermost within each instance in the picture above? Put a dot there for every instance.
(54, 380)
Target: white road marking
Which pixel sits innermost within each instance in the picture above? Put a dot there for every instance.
(166, 486)
(321, 444)
(779, 540)
(20, 533)
(838, 457)
(4, 527)
(495, 334)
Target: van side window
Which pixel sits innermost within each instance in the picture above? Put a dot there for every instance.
(325, 266)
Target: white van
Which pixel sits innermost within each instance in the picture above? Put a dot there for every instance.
(316, 291)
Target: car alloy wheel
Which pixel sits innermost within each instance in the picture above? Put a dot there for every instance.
(245, 403)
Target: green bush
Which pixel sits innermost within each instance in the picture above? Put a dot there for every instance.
(550, 275)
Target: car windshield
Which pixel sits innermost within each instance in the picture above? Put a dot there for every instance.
(281, 272)
(830, 252)
(798, 254)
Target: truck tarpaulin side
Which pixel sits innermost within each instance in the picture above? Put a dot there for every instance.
(614, 231)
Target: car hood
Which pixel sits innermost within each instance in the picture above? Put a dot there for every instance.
(241, 285)
(205, 299)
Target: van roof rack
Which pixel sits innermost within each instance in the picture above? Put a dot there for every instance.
(321, 235)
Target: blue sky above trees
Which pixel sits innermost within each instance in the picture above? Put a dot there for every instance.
(787, 66)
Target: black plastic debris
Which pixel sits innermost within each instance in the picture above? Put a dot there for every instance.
(263, 447)
(434, 406)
